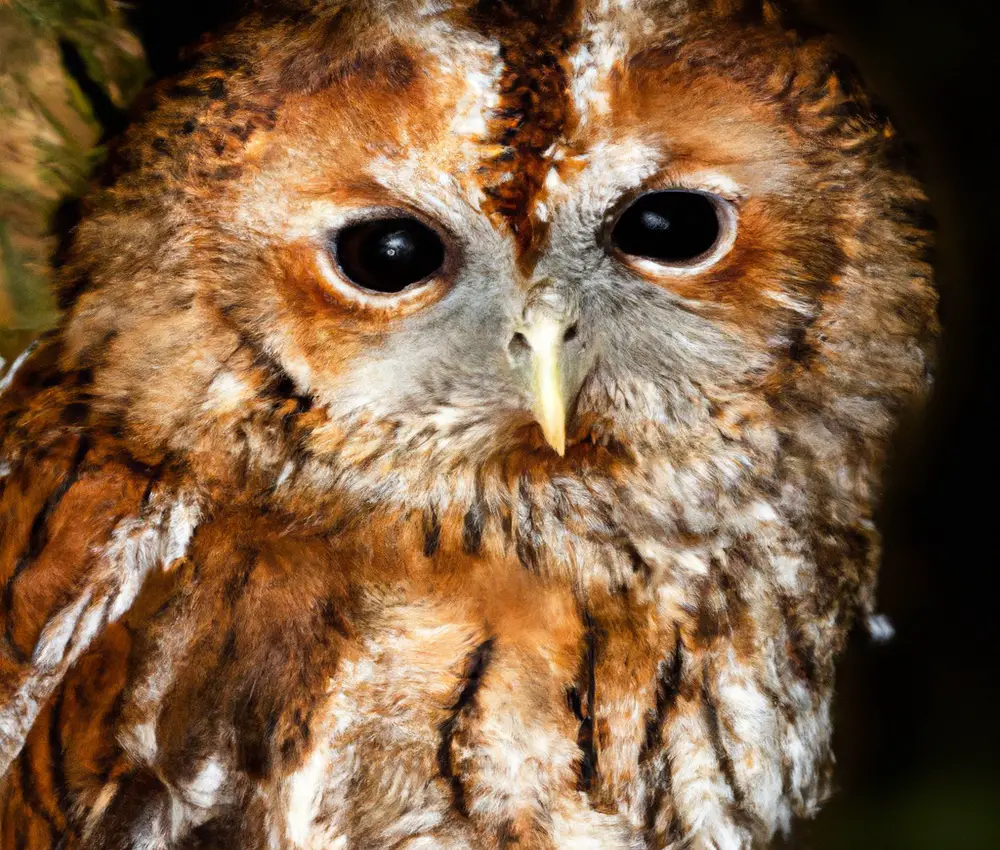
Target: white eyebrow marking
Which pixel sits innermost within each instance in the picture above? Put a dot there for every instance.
(601, 46)
(715, 182)
(8, 379)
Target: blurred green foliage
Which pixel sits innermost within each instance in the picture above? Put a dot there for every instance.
(65, 67)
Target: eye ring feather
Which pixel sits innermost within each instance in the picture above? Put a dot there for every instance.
(387, 259)
(668, 232)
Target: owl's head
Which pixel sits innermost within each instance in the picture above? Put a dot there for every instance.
(566, 236)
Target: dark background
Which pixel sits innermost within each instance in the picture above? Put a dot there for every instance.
(916, 719)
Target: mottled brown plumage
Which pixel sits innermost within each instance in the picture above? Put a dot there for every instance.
(290, 564)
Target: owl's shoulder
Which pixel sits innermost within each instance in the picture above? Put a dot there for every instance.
(71, 499)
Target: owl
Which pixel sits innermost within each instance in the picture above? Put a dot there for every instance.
(464, 431)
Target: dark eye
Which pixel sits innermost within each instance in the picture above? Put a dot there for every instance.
(387, 255)
(669, 227)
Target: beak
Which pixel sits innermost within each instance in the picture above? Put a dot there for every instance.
(545, 338)
(544, 353)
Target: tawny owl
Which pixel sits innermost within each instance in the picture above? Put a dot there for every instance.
(464, 431)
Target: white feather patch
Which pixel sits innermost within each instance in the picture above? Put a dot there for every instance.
(8, 379)
(138, 545)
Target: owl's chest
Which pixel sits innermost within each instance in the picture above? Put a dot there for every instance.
(268, 657)
(308, 664)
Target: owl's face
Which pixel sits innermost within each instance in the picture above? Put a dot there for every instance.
(458, 307)
(602, 234)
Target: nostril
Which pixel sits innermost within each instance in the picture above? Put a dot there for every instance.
(571, 333)
(518, 345)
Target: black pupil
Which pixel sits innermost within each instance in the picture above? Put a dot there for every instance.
(389, 254)
(668, 226)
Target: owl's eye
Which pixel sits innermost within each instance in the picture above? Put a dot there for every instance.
(669, 227)
(388, 255)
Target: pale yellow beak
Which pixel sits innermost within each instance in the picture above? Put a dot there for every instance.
(550, 357)
(545, 338)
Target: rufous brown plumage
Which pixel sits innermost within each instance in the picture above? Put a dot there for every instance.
(464, 431)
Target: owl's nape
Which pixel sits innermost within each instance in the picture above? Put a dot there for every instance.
(465, 429)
